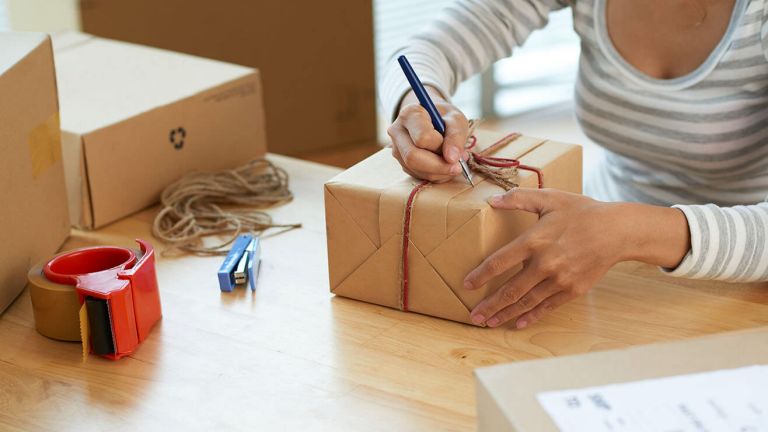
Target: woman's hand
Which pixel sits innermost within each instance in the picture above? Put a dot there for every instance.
(574, 243)
(419, 148)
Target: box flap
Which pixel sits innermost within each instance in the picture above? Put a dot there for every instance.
(14, 46)
(510, 390)
(102, 81)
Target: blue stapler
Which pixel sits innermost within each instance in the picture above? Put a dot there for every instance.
(241, 264)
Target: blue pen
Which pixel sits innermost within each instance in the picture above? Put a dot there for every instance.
(426, 102)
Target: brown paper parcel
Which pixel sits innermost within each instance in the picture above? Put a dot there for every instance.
(453, 228)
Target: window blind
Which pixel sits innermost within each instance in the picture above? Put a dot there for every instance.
(5, 24)
(540, 73)
(396, 20)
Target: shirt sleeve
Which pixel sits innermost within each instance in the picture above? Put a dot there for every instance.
(727, 243)
(764, 29)
(465, 39)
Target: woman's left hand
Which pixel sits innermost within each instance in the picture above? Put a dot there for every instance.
(570, 248)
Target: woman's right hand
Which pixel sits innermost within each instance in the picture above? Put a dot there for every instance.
(420, 149)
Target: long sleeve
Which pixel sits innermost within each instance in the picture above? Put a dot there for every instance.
(764, 29)
(727, 243)
(466, 38)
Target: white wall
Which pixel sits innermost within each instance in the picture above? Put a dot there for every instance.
(42, 15)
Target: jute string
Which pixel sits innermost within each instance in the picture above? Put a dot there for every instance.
(224, 203)
(501, 171)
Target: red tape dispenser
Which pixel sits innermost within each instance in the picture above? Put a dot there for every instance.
(118, 294)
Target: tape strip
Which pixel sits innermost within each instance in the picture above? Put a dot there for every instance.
(45, 145)
(84, 330)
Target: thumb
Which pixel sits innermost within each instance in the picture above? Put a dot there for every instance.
(456, 132)
(526, 199)
(453, 146)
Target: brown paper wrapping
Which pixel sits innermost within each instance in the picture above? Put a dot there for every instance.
(453, 229)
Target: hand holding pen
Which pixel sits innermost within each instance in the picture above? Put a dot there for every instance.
(419, 145)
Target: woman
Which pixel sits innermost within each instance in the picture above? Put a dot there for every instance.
(675, 91)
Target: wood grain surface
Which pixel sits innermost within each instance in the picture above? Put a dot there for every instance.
(291, 356)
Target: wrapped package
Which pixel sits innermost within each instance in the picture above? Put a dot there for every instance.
(403, 243)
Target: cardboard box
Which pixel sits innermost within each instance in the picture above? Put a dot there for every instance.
(34, 216)
(134, 119)
(316, 58)
(453, 228)
(506, 394)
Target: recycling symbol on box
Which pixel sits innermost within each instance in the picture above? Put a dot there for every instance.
(177, 137)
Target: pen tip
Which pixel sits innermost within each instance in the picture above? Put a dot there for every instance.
(465, 171)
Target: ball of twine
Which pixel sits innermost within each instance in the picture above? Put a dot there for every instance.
(225, 203)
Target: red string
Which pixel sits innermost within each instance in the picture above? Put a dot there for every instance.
(508, 163)
(497, 162)
(479, 158)
(406, 241)
(473, 142)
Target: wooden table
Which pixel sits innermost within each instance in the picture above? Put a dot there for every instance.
(294, 357)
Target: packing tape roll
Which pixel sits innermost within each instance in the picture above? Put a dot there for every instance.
(56, 306)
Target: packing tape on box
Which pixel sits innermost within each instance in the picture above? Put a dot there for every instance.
(105, 296)
(44, 142)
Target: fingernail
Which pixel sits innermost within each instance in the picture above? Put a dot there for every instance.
(493, 322)
(496, 199)
(478, 319)
(455, 169)
(468, 285)
(522, 324)
(452, 153)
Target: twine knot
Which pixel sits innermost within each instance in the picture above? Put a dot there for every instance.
(501, 171)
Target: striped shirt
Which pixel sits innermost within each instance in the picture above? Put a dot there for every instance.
(698, 142)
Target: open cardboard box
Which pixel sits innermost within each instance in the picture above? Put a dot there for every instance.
(134, 119)
(506, 394)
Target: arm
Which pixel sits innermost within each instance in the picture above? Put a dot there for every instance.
(574, 243)
(727, 243)
(464, 40)
(577, 240)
